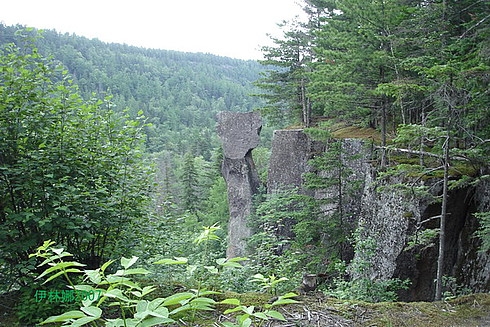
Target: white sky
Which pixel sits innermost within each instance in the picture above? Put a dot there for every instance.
(232, 28)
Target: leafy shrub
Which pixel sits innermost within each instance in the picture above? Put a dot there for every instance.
(354, 281)
(72, 170)
(366, 289)
(30, 311)
(484, 231)
(132, 307)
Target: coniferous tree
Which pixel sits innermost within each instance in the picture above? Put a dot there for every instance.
(397, 66)
(190, 184)
(286, 81)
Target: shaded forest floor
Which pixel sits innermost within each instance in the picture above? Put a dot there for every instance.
(318, 311)
(473, 310)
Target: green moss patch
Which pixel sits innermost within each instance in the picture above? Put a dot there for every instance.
(471, 310)
(357, 132)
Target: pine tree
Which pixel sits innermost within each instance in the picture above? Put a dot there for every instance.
(286, 82)
(190, 184)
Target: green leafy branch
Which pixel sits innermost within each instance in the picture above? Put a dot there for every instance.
(249, 313)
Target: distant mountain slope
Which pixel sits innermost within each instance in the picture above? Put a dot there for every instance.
(179, 92)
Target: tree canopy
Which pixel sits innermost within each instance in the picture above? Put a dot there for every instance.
(386, 63)
(70, 170)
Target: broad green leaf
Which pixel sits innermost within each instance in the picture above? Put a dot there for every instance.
(54, 257)
(177, 298)
(208, 234)
(229, 324)
(283, 302)
(136, 271)
(94, 276)
(221, 261)
(249, 310)
(126, 263)
(145, 291)
(115, 323)
(59, 273)
(83, 321)
(116, 293)
(183, 308)
(58, 251)
(260, 315)
(203, 300)
(140, 315)
(191, 269)
(105, 265)
(259, 278)
(84, 287)
(156, 303)
(155, 321)
(161, 311)
(246, 323)
(206, 292)
(175, 261)
(92, 311)
(236, 309)
(233, 262)
(64, 317)
(275, 314)
(211, 269)
(129, 284)
(141, 306)
(60, 266)
(143, 314)
(113, 279)
(288, 295)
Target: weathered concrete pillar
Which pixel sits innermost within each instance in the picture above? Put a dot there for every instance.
(239, 133)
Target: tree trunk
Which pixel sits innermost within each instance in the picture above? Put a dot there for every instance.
(305, 104)
(442, 226)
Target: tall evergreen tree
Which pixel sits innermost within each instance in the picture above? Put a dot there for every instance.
(285, 82)
(190, 184)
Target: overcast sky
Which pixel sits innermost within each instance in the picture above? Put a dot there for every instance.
(232, 28)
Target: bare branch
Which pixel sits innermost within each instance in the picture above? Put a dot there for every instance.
(424, 153)
(474, 26)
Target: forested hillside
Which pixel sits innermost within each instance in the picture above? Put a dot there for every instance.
(180, 93)
(110, 171)
(412, 79)
(108, 150)
(385, 64)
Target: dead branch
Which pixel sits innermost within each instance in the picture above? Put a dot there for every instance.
(419, 153)
(474, 26)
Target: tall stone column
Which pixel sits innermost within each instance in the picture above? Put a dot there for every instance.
(291, 150)
(239, 134)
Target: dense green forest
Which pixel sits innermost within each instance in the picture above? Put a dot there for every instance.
(101, 139)
(180, 93)
(110, 151)
(417, 72)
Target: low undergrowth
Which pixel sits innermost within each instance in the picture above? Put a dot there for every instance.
(468, 311)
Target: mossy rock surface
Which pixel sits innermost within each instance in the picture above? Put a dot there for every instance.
(319, 311)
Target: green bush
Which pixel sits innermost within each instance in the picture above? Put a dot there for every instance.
(117, 300)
